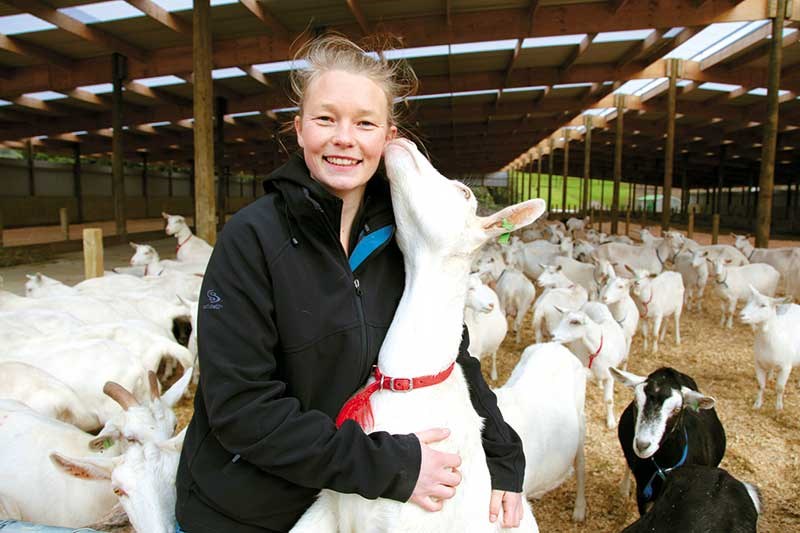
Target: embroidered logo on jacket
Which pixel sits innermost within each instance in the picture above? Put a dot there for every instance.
(213, 300)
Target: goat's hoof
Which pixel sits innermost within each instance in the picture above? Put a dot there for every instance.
(579, 514)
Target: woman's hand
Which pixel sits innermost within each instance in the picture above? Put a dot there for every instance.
(438, 474)
(512, 507)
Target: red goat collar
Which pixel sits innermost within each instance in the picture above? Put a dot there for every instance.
(594, 355)
(358, 407)
(177, 248)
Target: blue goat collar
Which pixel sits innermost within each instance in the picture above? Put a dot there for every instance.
(662, 472)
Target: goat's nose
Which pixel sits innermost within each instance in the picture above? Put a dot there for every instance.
(490, 307)
(642, 445)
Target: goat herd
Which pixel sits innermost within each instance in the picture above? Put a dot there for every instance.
(83, 414)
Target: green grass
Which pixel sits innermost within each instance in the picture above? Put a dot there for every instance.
(599, 190)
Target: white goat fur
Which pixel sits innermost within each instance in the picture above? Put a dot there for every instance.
(777, 341)
(732, 283)
(191, 248)
(658, 297)
(485, 321)
(437, 231)
(543, 400)
(560, 293)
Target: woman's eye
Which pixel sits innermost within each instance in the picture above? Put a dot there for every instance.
(367, 124)
(323, 118)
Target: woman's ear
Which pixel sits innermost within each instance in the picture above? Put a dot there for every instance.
(298, 130)
(391, 134)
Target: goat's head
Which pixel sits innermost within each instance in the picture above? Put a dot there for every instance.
(144, 254)
(551, 276)
(480, 298)
(740, 241)
(615, 289)
(175, 223)
(659, 400)
(641, 280)
(760, 307)
(572, 326)
(438, 215)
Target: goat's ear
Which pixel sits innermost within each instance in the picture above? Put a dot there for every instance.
(165, 215)
(175, 444)
(86, 467)
(628, 379)
(629, 269)
(696, 400)
(753, 290)
(30, 276)
(783, 301)
(560, 310)
(558, 268)
(652, 275)
(173, 395)
(133, 245)
(512, 217)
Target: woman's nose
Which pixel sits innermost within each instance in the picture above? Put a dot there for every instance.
(343, 134)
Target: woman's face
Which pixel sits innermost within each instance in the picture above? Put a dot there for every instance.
(343, 130)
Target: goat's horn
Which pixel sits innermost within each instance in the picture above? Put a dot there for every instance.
(151, 376)
(120, 394)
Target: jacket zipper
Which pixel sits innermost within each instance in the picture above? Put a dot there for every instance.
(356, 283)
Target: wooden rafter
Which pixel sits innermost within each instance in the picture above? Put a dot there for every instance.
(162, 16)
(31, 51)
(649, 43)
(257, 75)
(355, 9)
(94, 35)
(578, 52)
(265, 15)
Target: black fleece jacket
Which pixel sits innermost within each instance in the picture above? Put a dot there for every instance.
(287, 332)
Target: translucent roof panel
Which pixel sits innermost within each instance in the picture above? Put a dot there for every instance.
(159, 81)
(23, 23)
(632, 86)
(474, 93)
(98, 89)
(180, 5)
(162, 123)
(102, 11)
(559, 40)
(422, 51)
(704, 39)
(483, 46)
(285, 109)
(616, 36)
(280, 66)
(762, 91)
(428, 96)
(245, 114)
(525, 89)
(4, 103)
(730, 39)
(673, 32)
(45, 95)
(711, 86)
(224, 73)
(571, 85)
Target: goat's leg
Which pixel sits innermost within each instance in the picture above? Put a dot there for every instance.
(643, 328)
(625, 486)
(724, 306)
(761, 378)
(656, 329)
(731, 311)
(780, 384)
(677, 317)
(579, 511)
(663, 331)
(608, 397)
(494, 366)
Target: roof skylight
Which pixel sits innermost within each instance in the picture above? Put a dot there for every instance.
(244, 114)
(4, 103)
(292, 109)
(730, 39)
(280, 66)
(224, 73)
(525, 89)
(724, 87)
(22, 23)
(420, 51)
(102, 12)
(483, 46)
(98, 89)
(45, 95)
(162, 123)
(762, 91)
(159, 81)
(180, 5)
(706, 38)
(558, 40)
(617, 36)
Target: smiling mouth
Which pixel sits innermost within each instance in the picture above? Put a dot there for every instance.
(341, 161)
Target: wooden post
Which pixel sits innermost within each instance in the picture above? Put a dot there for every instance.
(220, 110)
(539, 175)
(690, 227)
(77, 181)
(628, 222)
(530, 178)
(587, 154)
(1, 229)
(768, 145)
(550, 164)
(565, 174)
(119, 67)
(620, 101)
(685, 186)
(673, 71)
(205, 200)
(715, 228)
(63, 218)
(31, 173)
(92, 253)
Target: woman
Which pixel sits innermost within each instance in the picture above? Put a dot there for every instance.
(293, 310)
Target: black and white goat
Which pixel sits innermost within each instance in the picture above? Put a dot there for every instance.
(698, 499)
(668, 424)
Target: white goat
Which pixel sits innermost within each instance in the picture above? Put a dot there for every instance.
(45, 394)
(616, 295)
(731, 283)
(485, 321)
(561, 293)
(437, 231)
(190, 248)
(578, 224)
(598, 345)
(693, 268)
(777, 342)
(146, 256)
(544, 401)
(778, 258)
(658, 296)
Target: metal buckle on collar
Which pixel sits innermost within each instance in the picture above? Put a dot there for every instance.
(401, 384)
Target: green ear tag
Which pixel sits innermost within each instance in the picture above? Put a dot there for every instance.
(509, 227)
(107, 443)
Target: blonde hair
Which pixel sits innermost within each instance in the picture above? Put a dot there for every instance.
(336, 52)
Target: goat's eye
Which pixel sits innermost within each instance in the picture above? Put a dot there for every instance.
(466, 192)
(575, 322)
(119, 492)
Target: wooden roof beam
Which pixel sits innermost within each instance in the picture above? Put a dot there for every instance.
(257, 75)
(615, 5)
(759, 51)
(162, 16)
(578, 52)
(355, 9)
(79, 29)
(31, 51)
(265, 15)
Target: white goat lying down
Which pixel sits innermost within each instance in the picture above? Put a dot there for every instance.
(48, 462)
(146, 256)
(190, 247)
(777, 342)
(543, 400)
(436, 227)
